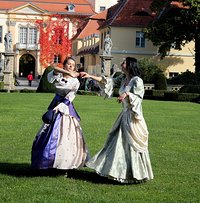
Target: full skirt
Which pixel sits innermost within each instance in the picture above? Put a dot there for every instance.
(59, 145)
(125, 157)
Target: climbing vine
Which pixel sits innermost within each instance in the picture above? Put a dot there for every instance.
(54, 39)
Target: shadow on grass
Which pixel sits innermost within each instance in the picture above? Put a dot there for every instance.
(89, 176)
(25, 170)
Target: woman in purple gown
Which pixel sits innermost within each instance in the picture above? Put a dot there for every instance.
(61, 144)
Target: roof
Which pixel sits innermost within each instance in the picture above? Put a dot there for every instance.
(90, 25)
(82, 7)
(129, 13)
(100, 16)
(179, 5)
(90, 28)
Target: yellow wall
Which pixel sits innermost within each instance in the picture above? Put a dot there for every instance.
(123, 39)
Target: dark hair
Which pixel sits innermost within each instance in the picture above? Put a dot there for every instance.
(132, 66)
(70, 57)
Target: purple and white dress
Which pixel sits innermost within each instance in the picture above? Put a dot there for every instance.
(61, 144)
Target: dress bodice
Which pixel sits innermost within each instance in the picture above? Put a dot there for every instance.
(135, 90)
(66, 87)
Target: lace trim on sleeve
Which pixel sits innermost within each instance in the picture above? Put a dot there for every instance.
(106, 86)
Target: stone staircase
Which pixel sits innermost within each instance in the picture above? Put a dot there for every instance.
(23, 84)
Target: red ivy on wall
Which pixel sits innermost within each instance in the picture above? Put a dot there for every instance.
(54, 39)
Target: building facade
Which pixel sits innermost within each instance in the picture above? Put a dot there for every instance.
(101, 5)
(125, 22)
(41, 32)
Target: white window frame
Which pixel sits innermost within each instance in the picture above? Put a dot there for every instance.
(32, 33)
(140, 39)
(28, 35)
(102, 8)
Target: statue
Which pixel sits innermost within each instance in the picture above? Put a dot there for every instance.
(107, 45)
(103, 66)
(8, 41)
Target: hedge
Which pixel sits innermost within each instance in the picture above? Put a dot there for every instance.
(1, 85)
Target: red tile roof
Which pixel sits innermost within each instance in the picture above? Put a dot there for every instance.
(88, 28)
(179, 5)
(90, 25)
(82, 7)
(129, 13)
(100, 16)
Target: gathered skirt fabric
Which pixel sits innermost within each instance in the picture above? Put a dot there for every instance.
(59, 145)
(125, 157)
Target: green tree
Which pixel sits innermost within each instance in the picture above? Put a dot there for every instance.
(44, 85)
(176, 23)
(148, 69)
(160, 81)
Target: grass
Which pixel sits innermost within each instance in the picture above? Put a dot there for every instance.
(173, 145)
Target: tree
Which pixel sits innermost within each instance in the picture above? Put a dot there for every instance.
(160, 81)
(148, 69)
(176, 23)
(44, 85)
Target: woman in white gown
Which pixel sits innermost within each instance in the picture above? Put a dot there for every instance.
(61, 144)
(125, 157)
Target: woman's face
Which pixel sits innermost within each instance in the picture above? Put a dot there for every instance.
(123, 65)
(70, 65)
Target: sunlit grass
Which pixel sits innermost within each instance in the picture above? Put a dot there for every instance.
(173, 145)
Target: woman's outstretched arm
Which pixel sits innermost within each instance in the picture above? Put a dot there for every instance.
(60, 70)
(86, 75)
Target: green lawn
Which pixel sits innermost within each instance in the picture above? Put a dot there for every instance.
(173, 144)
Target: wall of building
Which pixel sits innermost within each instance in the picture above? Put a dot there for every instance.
(124, 44)
(97, 4)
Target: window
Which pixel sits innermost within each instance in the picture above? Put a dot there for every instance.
(28, 35)
(173, 74)
(32, 35)
(102, 8)
(140, 40)
(1, 32)
(57, 59)
(23, 35)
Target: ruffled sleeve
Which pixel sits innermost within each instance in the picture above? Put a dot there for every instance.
(135, 91)
(108, 83)
(106, 86)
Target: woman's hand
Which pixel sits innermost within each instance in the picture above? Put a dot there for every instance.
(122, 97)
(56, 109)
(74, 74)
(84, 75)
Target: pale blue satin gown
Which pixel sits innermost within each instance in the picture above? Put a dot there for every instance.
(125, 157)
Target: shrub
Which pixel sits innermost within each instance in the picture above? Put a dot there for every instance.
(1, 85)
(176, 96)
(190, 89)
(188, 97)
(186, 78)
(160, 81)
(27, 91)
(148, 69)
(83, 92)
(44, 85)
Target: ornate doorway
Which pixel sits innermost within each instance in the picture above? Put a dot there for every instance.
(26, 65)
